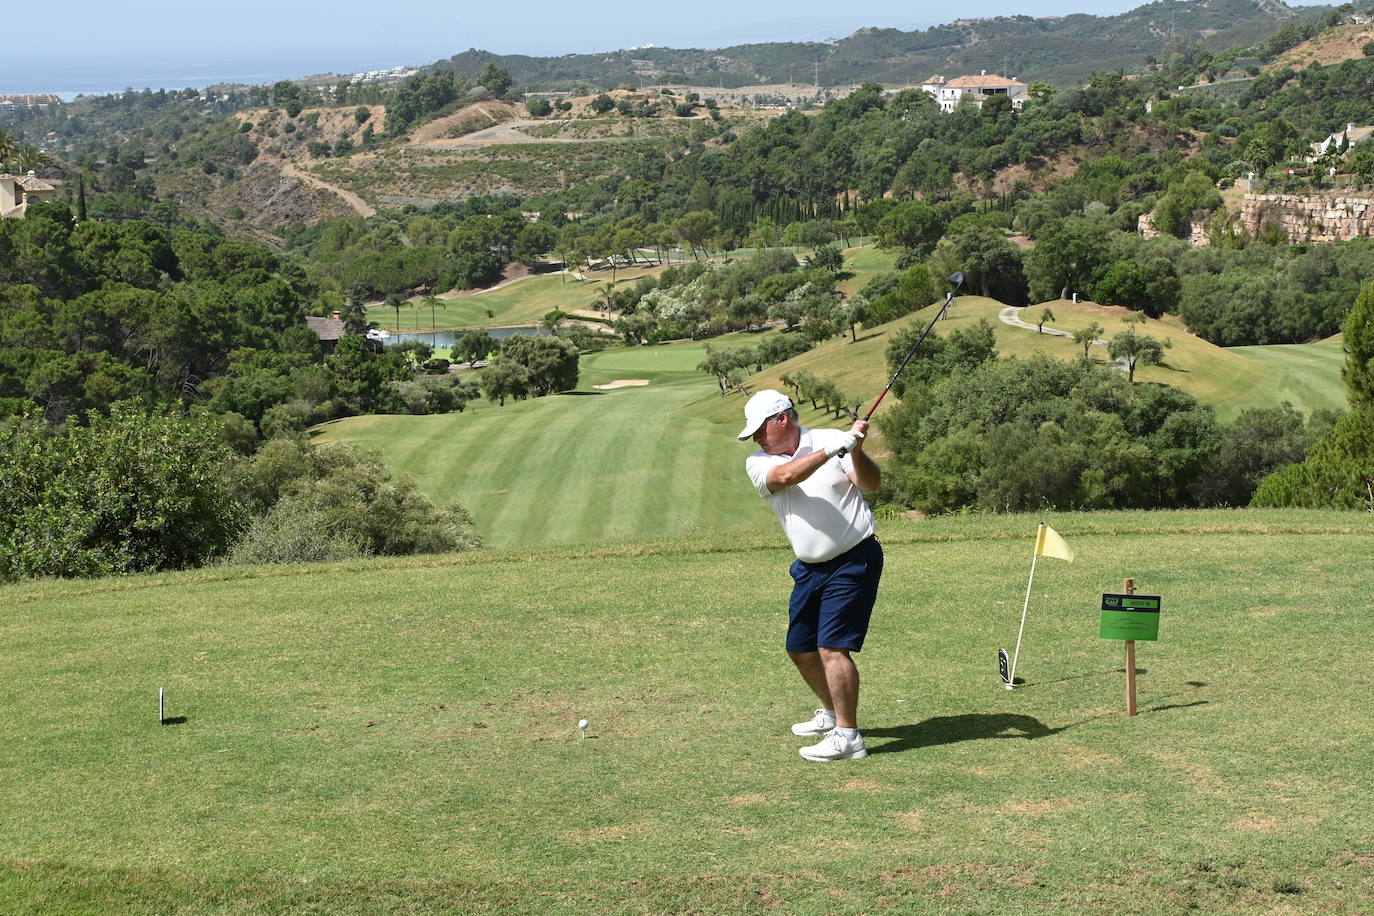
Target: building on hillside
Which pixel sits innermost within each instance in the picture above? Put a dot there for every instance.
(1341, 139)
(977, 89)
(11, 102)
(332, 329)
(328, 330)
(18, 191)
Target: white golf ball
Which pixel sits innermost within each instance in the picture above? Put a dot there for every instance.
(582, 723)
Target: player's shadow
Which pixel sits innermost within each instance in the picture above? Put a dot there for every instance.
(952, 729)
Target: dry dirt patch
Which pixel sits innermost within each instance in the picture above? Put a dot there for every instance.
(469, 118)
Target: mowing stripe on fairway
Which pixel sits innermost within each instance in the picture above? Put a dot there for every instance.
(1306, 375)
(579, 466)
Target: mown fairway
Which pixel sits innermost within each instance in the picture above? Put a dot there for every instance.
(588, 465)
(399, 736)
(523, 302)
(1306, 375)
(661, 459)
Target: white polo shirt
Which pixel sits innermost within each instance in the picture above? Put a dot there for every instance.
(825, 514)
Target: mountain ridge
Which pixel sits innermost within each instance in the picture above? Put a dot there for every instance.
(1054, 49)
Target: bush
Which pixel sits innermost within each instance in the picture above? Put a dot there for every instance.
(352, 498)
(1338, 472)
(293, 532)
(132, 492)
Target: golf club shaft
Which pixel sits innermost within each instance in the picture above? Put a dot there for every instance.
(949, 297)
(957, 279)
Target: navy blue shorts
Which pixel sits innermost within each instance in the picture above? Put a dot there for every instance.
(832, 601)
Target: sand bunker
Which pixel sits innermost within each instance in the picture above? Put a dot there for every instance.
(623, 383)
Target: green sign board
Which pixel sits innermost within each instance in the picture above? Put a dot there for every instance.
(1129, 617)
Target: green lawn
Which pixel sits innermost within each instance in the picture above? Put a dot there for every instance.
(398, 736)
(1230, 379)
(587, 465)
(1306, 375)
(526, 301)
(865, 262)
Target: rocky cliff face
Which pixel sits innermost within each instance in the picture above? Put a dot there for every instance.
(1302, 218)
(1315, 218)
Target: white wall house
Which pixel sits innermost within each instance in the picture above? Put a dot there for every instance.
(17, 191)
(1348, 138)
(949, 93)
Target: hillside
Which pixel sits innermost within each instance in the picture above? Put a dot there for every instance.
(493, 147)
(1062, 50)
(1231, 380)
(1331, 46)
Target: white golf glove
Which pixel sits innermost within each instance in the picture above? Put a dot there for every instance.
(843, 447)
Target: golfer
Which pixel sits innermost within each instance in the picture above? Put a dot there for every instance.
(814, 480)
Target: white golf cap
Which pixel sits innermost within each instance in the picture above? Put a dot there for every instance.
(767, 403)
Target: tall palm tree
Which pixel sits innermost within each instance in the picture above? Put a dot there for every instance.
(434, 302)
(7, 146)
(397, 302)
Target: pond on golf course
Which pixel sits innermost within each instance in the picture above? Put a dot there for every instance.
(448, 338)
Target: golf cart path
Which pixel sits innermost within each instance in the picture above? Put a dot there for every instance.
(1011, 315)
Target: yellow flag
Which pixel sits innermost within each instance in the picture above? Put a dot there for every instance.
(1048, 543)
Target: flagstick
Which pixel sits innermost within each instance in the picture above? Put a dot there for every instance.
(1011, 678)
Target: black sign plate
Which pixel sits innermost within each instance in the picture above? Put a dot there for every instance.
(1146, 604)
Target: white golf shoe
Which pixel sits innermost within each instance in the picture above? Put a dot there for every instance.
(818, 724)
(836, 746)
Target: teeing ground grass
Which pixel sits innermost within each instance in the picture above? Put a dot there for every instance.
(398, 736)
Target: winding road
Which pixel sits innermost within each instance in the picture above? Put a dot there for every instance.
(1011, 315)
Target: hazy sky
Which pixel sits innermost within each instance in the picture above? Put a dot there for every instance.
(84, 45)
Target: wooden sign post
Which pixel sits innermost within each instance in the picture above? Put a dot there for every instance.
(1128, 586)
(1129, 617)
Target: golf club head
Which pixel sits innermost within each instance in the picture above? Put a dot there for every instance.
(956, 280)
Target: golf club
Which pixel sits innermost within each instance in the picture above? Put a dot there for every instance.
(956, 280)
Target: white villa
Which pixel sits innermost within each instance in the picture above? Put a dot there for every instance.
(949, 93)
(17, 191)
(1348, 138)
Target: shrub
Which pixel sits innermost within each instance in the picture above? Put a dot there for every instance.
(350, 495)
(293, 532)
(132, 492)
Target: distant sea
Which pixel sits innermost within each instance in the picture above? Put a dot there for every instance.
(109, 78)
(67, 89)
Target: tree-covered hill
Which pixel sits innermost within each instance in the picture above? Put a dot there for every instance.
(1054, 49)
